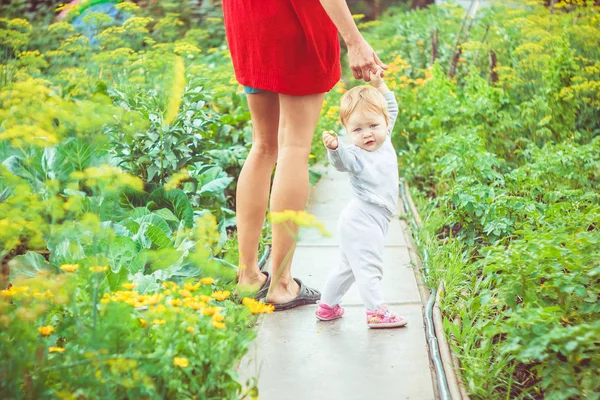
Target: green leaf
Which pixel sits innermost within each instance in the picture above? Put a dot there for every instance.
(123, 252)
(29, 266)
(130, 198)
(139, 212)
(216, 186)
(66, 251)
(176, 201)
(166, 214)
(158, 237)
(157, 221)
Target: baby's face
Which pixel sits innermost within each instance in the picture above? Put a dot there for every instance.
(366, 129)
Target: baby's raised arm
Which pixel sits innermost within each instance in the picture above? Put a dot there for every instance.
(392, 105)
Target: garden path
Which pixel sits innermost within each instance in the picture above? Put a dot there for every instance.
(297, 357)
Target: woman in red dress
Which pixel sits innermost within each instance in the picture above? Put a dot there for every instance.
(286, 54)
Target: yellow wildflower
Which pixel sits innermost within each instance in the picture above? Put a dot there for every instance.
(130, 286)
(177, 89)
(207, 281)
(256, 307)
(220, 295)
(46, 330)
(218, 325)
(56, 349)
(98, 269)
(190, 329)
(301, 218)
(158, 322)
(211, 310)
(204, 298)
(191, 287)
(196, 305)
(175, 302)
(180, 362)
(420, 43)
(143, 323)
(69, 267)
(218, 317)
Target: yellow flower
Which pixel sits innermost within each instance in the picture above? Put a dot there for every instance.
(69, 267)
(158, 322)
(190, 329)
(98, 269)
(256, 307)
(301, 218)
(176, 179)
(177, 89)
(185, 293)
(180, 362)
(218, 317)
(175, 302)
(205, 298)
(130, 286)
(221, 295)
(211, 310)
(420, 43)
(190, 287)
(56, 349)
(419, 81)
(462, 59)
(143, 322)
(207, 281)
(46, 330)
(218, 325)
(195, 305)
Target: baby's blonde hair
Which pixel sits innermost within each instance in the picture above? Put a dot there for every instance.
(365, 97)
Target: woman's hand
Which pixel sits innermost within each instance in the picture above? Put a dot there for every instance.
(330, 140)
(363, 60)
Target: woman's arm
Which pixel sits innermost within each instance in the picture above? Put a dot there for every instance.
(360, 54)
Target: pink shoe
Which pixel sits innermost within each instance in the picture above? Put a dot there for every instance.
(384, 318)
(326, 313)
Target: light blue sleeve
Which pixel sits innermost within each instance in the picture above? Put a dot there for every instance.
(346, 158)
(392, 106)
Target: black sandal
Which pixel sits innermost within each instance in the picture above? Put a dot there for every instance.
(306, 295)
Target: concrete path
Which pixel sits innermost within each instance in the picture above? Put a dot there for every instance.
(297, 357)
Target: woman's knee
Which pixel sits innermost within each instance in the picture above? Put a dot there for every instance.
(266, 151)
(293, 151)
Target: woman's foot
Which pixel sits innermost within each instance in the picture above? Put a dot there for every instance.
(284, 297)
(250, 284)
(327, 313)
(283, 291)
(384, 318)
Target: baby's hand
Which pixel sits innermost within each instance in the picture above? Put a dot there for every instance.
(377, 78)
(330, 140)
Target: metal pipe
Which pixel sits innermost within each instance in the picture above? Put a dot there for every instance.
(434, 350)
(263, 260)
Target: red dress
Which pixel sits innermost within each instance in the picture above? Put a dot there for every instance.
(283, 46)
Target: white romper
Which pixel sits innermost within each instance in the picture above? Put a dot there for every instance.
(364, 222)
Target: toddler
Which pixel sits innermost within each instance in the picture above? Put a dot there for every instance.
(368, 114)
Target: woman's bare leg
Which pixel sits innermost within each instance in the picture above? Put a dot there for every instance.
(298, 117)
(254, 185)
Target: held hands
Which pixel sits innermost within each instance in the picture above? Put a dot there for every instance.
(376, 78)
(330, 140)
(363, 60)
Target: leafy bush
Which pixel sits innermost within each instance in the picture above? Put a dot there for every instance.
(505, 169)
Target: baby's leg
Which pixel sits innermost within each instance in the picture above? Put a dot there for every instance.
(363, 244)
(339, 281)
